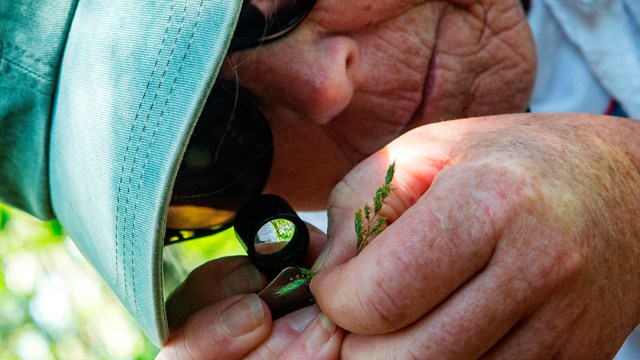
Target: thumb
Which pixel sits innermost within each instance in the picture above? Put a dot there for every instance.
(228, 329)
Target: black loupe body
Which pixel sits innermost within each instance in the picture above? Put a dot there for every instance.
(273, 234)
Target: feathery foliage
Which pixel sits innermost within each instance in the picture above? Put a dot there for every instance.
(368, 224)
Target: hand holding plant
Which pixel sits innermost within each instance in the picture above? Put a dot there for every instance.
(368, 224)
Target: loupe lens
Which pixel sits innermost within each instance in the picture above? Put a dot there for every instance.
(273, 234)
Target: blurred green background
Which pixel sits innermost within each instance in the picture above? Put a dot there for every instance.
(53, 304)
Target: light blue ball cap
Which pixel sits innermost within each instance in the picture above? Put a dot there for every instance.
(133, 80)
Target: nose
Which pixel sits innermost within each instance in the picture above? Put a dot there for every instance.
(314, 78)
(325, 79)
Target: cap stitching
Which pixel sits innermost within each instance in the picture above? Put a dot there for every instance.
(137, 152)
(127, 149)
(161, 116)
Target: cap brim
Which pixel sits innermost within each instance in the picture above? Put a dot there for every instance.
(133, 80)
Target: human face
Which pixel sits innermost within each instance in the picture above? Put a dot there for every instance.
(357, 74)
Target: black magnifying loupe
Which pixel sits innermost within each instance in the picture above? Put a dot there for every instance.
(273, 234)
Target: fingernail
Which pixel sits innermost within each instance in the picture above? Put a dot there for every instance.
(244, 279)
(319, 264)
(300, 319)
(322, 330)
(243, 316)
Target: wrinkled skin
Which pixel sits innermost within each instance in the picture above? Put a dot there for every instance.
(356, 74)
(510, 237)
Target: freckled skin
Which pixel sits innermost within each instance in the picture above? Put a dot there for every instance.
(523, 244)
(357, 74)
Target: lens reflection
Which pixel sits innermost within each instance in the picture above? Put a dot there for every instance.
(274, 236)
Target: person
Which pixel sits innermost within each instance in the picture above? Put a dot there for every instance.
(509, 235)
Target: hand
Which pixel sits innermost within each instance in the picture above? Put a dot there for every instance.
(214, 314)
(513, 236)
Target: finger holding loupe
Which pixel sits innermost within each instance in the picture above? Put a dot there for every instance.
(276, 240)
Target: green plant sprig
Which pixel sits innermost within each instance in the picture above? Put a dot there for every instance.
(368, 224)
(307, 275)
(375, 223)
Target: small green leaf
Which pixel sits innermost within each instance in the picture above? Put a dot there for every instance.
(381, 195)
(377, 202)
(390, 171)
(293, 286)
(307, 275)
(358, 225)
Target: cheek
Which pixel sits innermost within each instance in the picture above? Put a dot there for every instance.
(484, 63)
(394, 64)
(400, 48)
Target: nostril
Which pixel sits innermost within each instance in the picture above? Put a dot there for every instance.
(351, 58)
(329, 89)
(351, 53)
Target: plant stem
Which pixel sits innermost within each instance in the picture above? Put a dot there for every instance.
(368, 224)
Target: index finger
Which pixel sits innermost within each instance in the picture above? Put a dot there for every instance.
(441, 234)
(359, 187)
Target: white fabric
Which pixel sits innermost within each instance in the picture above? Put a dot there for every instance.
(589, 54)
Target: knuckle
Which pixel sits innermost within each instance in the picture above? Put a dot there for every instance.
(555, 267)
(382, 310)
(265, 352)
(540, 272)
